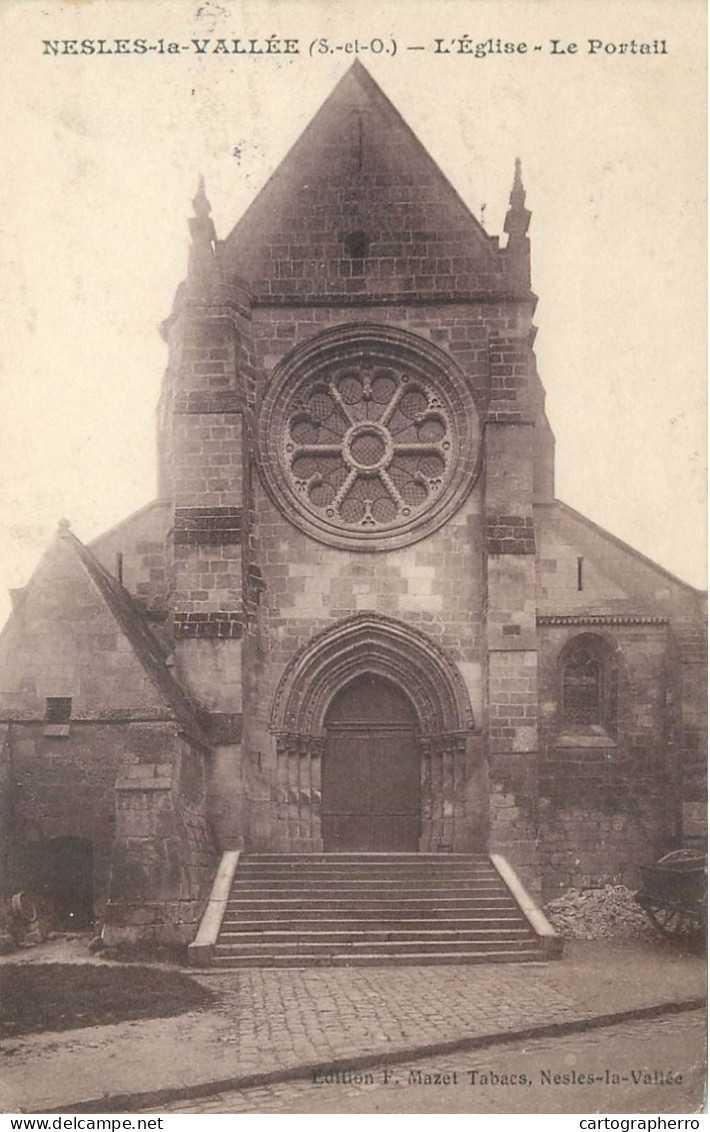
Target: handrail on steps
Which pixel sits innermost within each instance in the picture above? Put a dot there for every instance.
(538, 921)
(199, 953)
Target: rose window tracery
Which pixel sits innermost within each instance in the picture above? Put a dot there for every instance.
(367, 448)
(368, 437)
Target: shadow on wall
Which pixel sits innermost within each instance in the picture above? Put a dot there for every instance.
(57, 875)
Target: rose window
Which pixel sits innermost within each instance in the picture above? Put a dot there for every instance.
(368, 437)
(367, 449)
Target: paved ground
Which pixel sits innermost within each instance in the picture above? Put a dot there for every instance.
(271, 1022)
(655, 1065)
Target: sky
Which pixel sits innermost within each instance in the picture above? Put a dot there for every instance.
(102, 155)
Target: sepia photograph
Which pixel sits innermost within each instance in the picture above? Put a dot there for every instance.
(353, 530)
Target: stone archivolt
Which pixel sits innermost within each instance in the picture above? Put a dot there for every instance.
(369, 643)
(382, 646)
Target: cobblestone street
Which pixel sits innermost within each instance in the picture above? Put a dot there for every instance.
(267, 1023)
(534, 1076)
(323, 1014)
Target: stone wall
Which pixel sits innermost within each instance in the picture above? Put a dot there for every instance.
(63, 641)
(90, 704)
(462, 330)
(6, 805)
(691, 639)
(63, 786)
(164, 854)
(292, 585)
(640, 789)
(137, 793)
(609, 795)
(138, 551)
(435, 584)
(615, 577)
(359, 208)
(586, 847)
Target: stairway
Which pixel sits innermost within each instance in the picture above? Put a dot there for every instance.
(370, 909)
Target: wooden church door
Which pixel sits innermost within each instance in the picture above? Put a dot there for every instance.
(370, 777)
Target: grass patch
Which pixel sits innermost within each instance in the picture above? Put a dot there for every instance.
(36, 997)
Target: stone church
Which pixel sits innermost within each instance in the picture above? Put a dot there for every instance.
(356, 620)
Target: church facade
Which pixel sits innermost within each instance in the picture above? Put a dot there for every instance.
(356, 618)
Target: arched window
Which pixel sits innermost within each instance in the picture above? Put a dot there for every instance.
(588, 684)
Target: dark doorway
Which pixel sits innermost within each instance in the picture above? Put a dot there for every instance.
(68, 881)
(371, 771)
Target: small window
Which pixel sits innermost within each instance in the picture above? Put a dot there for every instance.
(57, 709)
(582, 690)
(588, 685)
(356, 245)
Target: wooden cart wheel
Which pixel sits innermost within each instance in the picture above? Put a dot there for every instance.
(672, 921)
(24, 907)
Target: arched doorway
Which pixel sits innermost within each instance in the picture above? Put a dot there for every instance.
(370, 776)
(444, 768)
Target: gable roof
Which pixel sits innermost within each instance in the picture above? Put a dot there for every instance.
(359, 168)
(147, 649)
(566, 512)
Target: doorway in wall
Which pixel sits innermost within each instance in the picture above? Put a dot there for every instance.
(371, 771)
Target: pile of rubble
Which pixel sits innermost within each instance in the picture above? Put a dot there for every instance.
(598, 913)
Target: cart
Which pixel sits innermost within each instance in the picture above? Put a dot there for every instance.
(674, 893)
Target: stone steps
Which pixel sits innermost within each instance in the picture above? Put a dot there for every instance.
(369, 936)
(374, 923)
(368, 869)
(368, 909)
(261, 860)
(403, 958)
(365, 888)
(371, 946)
(282, 910)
